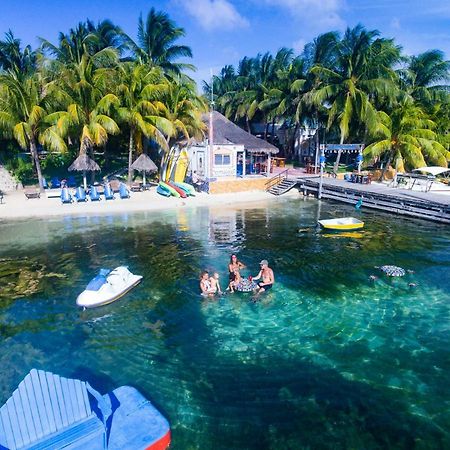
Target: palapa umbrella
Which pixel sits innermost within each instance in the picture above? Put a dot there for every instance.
(84, 164)
(144, 164)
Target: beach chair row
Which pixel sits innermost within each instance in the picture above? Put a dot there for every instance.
(94, 193)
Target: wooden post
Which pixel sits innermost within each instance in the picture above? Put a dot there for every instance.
(322, 165)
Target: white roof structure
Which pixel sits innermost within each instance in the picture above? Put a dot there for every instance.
(433, 170)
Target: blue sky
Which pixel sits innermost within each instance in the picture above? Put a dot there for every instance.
(223, 31)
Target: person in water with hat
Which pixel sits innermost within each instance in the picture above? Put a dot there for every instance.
(266, 275)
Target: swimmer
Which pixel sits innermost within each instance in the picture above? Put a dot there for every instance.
(267, 276)
(214, 284)
(205, 283)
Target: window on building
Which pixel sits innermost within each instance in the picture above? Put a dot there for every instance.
(222, 160)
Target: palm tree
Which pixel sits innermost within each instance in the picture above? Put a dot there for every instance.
(13, 59)
(24, 107)
(140, 91)
(183, 110)
(424, 76)
(348, 89)
(89, 104)
(86, 38)
(156, 43)
(406, 136)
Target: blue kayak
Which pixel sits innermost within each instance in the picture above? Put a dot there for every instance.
(162, 191)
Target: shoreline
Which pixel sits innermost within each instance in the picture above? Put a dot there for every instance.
(17, 206)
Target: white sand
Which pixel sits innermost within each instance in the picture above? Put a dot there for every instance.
(15, 204)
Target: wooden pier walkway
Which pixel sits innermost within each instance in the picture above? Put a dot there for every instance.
(425, 205)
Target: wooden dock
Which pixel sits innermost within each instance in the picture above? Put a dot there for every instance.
(425, 205)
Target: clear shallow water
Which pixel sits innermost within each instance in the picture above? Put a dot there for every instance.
(327, 359)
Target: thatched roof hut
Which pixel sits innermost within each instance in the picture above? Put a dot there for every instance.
(84, 164)
(226, 132)
(144, 164)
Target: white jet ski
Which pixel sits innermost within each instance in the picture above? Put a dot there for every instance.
(107, 287)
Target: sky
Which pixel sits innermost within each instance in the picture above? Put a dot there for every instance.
(221, 32)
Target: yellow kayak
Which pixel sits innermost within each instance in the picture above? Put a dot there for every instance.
(343, 223)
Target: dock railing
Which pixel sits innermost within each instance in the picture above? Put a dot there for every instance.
(277, 179)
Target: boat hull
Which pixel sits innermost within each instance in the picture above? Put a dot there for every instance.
(180, 191)
(343, 224)
(162, 191)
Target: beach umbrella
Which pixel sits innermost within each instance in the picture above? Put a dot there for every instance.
(393, 271)
(84, 164)
(144, 164)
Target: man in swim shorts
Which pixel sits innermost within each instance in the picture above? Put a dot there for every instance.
(266, 275)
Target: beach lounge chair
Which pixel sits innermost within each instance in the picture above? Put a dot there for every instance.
(55, 183)
(80, 194)
(93, 194)
(32, 193)
(115, 185)
(109, 194)
(136, 187)
(65, 196)
(123, 191)
(47, 411)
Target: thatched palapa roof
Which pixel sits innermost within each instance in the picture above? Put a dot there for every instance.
(144, 164)
(84, 164)
(226, 132)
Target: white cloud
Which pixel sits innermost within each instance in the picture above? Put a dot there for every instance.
(212, 14)
(316, 14)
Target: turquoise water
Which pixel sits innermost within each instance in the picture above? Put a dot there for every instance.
(326, 360)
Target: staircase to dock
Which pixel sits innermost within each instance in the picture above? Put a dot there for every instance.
(7, 181)
(280, 183)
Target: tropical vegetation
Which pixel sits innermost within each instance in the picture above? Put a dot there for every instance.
(357, 87)
(97, 92)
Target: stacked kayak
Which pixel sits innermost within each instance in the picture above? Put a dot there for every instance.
(180, 189)
(188, 188)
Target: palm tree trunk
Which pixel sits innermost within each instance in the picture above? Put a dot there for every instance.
(37, 164)
(248, 124)
(338, 158)
(130, 157)
(383, 171)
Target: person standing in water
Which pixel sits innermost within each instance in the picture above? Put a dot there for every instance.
(205, 284)
(266, 275)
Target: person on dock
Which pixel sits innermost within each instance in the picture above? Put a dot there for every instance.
(266, 275)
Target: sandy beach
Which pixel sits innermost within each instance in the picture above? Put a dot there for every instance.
(16, 205)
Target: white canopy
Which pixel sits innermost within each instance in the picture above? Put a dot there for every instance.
(434, 170)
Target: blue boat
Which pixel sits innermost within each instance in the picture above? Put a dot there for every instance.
(47, 411)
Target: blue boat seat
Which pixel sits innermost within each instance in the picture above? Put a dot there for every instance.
(47, 411)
